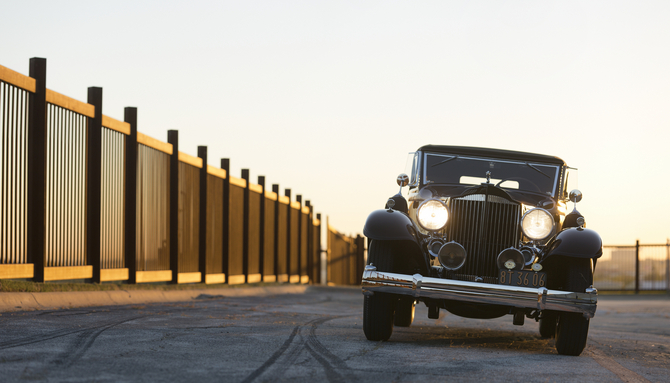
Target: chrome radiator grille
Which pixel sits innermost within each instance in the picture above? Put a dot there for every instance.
(484, 228)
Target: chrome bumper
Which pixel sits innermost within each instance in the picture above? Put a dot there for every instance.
(419, 286)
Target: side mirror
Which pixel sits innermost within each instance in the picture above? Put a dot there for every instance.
(403, 180)
(575, 196)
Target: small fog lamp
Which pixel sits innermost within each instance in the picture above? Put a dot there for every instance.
(434, 247)
(452, 256)
(510, 259)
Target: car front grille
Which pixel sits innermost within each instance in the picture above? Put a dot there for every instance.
(485, 227)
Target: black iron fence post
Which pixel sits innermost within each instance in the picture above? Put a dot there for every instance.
(298, 199)
(37, 140)
(637, 266)
(287, 193)
(225, 165)
(93, 182)
(130, 216)
(319, 265)
(245, 227)
(351, 252)
(275, 228)
(173, 138)
(202, 234)
(261, 225)
(310, 242)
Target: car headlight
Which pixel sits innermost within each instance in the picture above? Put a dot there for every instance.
(537, 224)
(432, 214)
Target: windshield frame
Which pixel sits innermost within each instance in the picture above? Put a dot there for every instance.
(426, 181)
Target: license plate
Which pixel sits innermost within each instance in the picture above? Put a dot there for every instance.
(522, 278)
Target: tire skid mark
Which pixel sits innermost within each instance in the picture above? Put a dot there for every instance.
(331, 374)
(49, 336)
(291, 350)
(273, 358)
(321, 349)
(85, 341)
(61, 313)
(39, 338)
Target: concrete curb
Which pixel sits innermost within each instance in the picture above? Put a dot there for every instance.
(65, 300)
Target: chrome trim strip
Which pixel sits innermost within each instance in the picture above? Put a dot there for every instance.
(523, 297)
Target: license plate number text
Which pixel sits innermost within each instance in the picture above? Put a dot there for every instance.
(522, 278)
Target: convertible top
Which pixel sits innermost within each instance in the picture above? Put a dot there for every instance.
(492, 153)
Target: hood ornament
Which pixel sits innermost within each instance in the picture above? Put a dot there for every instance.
(488, 177)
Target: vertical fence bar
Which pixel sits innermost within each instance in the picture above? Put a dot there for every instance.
(37, 138)
(319, 251)
(275, 189)
(261, 228)
(225, 165)
(360, 262)
(329, 243)
(203, 229)
(245, 227)
(667, 265)
(94, 182)
(269, 202)
(287, 193)
(130, 216)
(637, 266)
(349, 253)
(310, 243)
(173, 139)
(298, 199)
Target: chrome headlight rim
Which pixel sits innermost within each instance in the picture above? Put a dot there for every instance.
(418, 214)
(551, 219)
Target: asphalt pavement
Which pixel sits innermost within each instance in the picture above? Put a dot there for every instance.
(316, 335)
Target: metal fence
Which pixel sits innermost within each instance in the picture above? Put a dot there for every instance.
(99, 201)
(14, 166)
(634, 268)
(345, 257)
(112, 202)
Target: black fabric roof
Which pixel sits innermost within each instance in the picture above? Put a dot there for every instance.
(492, 153)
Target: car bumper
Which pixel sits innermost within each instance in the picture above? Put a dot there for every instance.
(419, 286)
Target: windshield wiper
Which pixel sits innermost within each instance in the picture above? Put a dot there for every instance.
(441, 162)
(538, 170)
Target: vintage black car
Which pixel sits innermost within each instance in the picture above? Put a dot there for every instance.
(483, 233)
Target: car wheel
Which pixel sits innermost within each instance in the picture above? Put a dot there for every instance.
(404, 312)
(548, 325)
(378, 308)
(573, 328)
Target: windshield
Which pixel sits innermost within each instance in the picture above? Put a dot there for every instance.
(508, 174)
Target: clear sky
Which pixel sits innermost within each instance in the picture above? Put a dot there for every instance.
(327, 98)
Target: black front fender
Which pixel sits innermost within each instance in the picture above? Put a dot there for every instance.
(576, 242)
(389, 225)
